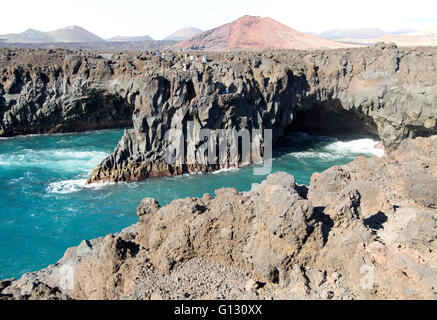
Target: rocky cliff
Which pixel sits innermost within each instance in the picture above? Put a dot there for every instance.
(365, 230)
(48, 91)
(381, 90)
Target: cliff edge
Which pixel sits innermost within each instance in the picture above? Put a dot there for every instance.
(381, 90)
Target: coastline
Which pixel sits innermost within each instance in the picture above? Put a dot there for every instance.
(280, 238)
(381, 90)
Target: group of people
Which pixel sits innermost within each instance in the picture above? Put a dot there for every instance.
(157, 54)
(191, 59)
(187, 57)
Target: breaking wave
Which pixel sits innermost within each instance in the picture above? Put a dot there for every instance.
(71, 186)
(359, 146)
(232, 169)
(62, 159)
(336, 149)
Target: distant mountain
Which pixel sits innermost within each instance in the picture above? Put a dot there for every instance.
(27, 36)
(183, 34)
(35, 34)
(402, 31)
(73, 34)
(356, 33)
(255, 33)
(68, 34)
(420, 38)
(131, 39)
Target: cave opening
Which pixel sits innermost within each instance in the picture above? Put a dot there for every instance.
(330, 119)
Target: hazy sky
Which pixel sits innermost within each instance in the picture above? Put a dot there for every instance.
(159, 18)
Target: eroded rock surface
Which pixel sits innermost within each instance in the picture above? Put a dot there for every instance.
(365, 230)
(381, 90)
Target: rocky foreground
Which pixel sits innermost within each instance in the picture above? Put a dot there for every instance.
(365, 230)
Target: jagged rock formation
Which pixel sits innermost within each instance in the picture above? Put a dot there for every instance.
(365, 230)
(58, 90)
(380, 90)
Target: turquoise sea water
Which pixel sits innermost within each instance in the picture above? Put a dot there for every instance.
(45, 206)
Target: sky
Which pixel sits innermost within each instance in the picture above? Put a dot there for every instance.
(159, 18)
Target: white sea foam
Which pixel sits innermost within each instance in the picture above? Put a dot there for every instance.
(338, 149)
(71, 186)
(315, 155)
(365, 146)
(65, 159)
(232, 169)
(67, 186)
